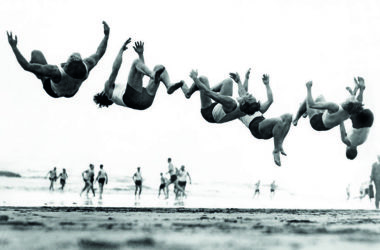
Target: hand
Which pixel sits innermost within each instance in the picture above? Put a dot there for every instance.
(309, 84)
(139, 47)
(12, 41)
(106, 28)
(265, 79)
(124, 47)
(235, 77)
(360, 82)
(248, 73)
(194, 74)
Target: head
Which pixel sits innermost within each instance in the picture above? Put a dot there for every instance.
(64, 170)
(75, 66)
(378, 158)
(182, 167)
(101, 166)
(102, 100)
(91, 166)
(138, 169)
(55, 168)
(352, 107)
(351, 152)
(161, 173)
(169, 160)
(249, 104)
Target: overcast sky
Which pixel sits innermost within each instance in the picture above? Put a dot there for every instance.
(329, 42)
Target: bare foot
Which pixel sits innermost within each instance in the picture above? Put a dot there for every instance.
(174, 87)
(277, 160)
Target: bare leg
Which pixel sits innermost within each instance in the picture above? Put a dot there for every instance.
(188, 92)
(301, 112)
(162, 75)
(137, 72)
(39, 58)
(205, 100)
(224, 88)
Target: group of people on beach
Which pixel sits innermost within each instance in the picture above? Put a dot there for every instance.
(217, 102)
(273, 188)
(53, 177)
(89, 178)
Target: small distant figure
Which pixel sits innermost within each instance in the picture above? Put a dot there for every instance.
(137, 178)
(102, 179)
(257, 189)
(182, 180)
(348, 191)
(172, 171)
(162, 187)
(273, 188)
(62, 178)
(88, 178)
(375, 178)
(52, 177)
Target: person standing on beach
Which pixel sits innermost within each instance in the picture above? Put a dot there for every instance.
(62, 178)
(102, 179)
(137, 178)
(273, 188)
(182, 180)
(162, 187)
(65, 79)
(52, 178)
(375, 178)
(172, 171)
(88, 178)
(348, 191)
(257, 189)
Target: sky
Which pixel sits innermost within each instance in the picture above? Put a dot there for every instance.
(328, 42)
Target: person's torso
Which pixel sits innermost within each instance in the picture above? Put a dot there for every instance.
(63, 176)
(182, 175)
(376, 172)
(220, 116)
(163, 181)
(117, 94)
(247, 119)
(102, 173)
(138, 176)
(358, 136)
(331, 120)
(52, 174)
(67, 86)
(90, 175)
(171, 169)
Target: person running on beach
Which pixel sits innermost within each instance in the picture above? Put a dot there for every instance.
(261, 127)
(137, 178)
(62, 178)
(172, 171)
(273, 188)
(224, 108)
(324, 115)
(88, 178)
(52, 178)
(62, 80)
(182, 180)
(361, 122)
(133, 95)
(102, 179)
(257, 189)
(162, 187)
(375, 178)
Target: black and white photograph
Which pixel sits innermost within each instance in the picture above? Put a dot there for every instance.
(194, 124)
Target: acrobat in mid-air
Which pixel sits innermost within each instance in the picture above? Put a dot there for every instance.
(325, 115)
(261, 127)
(217, 103)
(62, 80)
(133, 94)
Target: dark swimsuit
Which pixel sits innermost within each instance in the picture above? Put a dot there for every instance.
(173, 178)
(207, 113)
(136, 100)
(363, 119)
(46, 83)
(101, 180)
(182, 184)
(138, 182)
(316, 123)
(255, 131)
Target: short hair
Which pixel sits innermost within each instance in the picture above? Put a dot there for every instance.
(363, 119)
(353, 107)
(102, 100)
(169, 159)
(77, 69)
(101, 166)
(249, 105)
(351, 153)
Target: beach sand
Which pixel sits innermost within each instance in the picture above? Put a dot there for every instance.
(183, 228)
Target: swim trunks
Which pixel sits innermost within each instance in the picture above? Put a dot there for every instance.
(207, 113)
(136, 100)
(162, 186)
(102, 180)
(363, 119)
(138, 183)
(173, 178)
(255, 131)
(316, 123)
(182, 184)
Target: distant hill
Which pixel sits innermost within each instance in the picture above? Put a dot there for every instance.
(9, 174)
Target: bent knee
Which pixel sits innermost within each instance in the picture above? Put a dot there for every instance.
(320, 98)
(228, 81)
(158, 66)
(203, 79)
(287, 117)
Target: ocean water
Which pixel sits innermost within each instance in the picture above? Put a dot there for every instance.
(32, 189)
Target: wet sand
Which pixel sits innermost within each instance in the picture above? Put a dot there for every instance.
(182, 228)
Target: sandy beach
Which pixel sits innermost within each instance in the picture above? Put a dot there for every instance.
(182, 228)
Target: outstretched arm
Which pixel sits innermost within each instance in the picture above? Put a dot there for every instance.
(228, 103)
(139, 48)
(241, 90)
(47, 70)
(265, 106)
(330, 106)
(245, 84)
(343, 135)
(361, 85)
(94, 59)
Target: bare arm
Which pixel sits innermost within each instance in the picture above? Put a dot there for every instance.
(241, 90)
(343, 135)
(94, 59)
(47, 70)
(330, 106)
(265, 106)
(106, 178)
(245, 84)
(189, 177)
(139, 48)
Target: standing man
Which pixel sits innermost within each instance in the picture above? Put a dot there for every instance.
(273, 188)
(172, 171)
(88, 178)
(65, 79)
(182, 180)
(257, 189)
(102, 179)
(162, 185)
(52, 177)
(375, 178)
(137, 178)
(62, 178)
